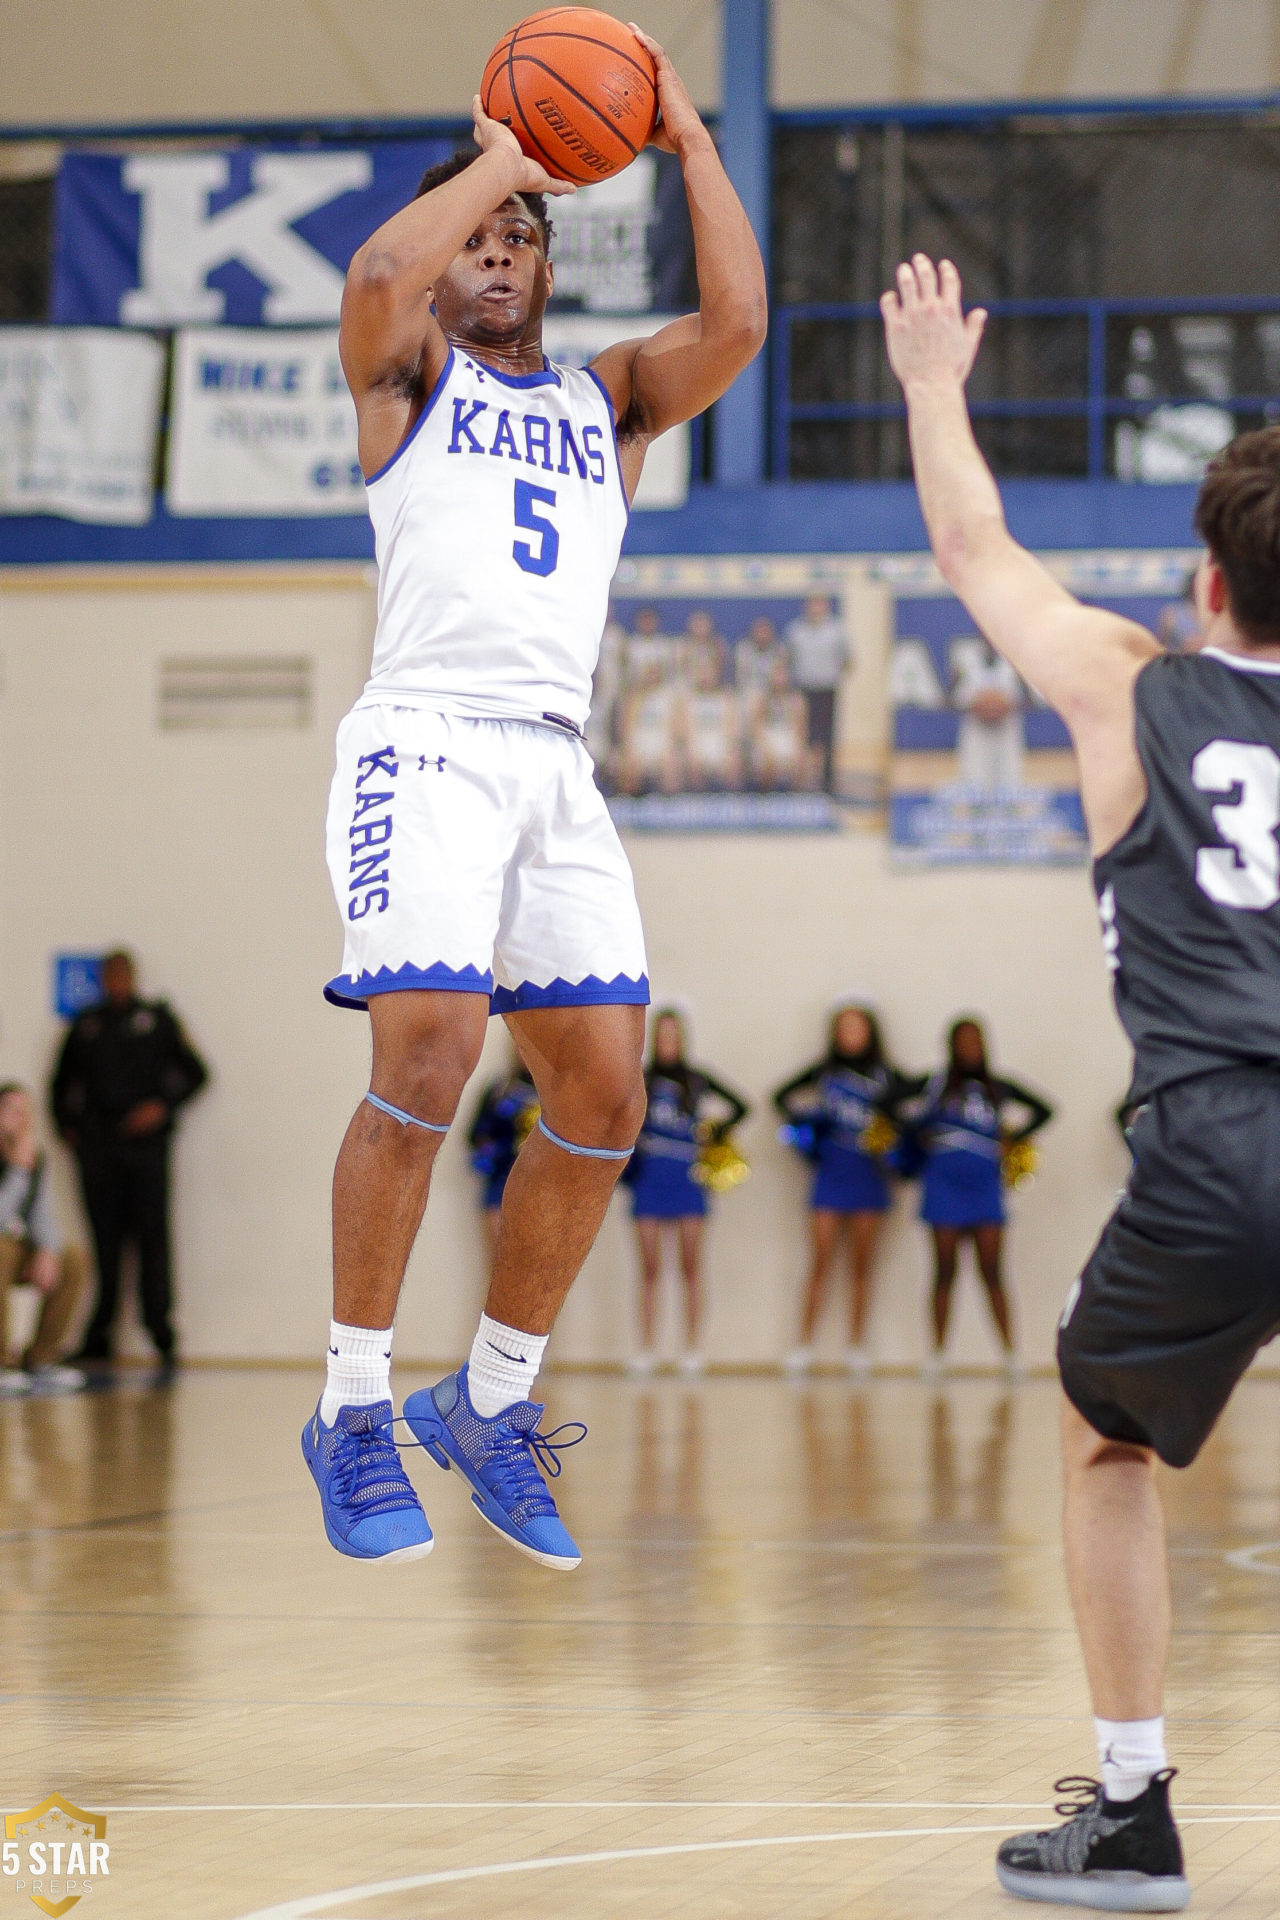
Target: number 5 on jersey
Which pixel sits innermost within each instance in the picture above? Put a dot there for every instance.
(541, 560)
(1246, 872)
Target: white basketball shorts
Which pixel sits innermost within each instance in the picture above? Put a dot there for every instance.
(477, 856)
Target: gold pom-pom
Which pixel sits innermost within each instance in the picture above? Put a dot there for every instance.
(1019, 1163)
(720, 1167)
(879, 1136)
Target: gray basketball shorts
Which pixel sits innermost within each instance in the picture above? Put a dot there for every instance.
(1183, 1288)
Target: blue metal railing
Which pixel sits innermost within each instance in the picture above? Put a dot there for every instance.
(1094, 404)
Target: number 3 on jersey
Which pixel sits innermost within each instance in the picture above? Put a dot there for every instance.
(1246, 872)
(541, 560)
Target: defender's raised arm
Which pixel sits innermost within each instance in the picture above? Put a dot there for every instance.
(1082, 660)
(683, 368)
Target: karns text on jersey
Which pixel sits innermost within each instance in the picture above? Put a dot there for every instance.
(528, 439)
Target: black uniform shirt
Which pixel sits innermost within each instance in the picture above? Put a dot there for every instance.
(113, 1058)
(1190, 896)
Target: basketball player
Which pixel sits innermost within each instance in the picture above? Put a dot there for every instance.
(1179, 760)
(474, 860)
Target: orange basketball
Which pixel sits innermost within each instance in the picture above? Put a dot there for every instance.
(576, 88)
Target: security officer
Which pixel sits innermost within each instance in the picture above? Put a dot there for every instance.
(125, 1068)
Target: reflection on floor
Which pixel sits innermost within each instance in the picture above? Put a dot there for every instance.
(817, 1658)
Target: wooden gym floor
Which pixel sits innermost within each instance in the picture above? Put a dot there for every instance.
(816, 1661)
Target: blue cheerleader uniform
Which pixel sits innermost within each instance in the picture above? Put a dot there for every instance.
(830, 1106)
(660, 1172)
(498, 1131)
(960, 1135)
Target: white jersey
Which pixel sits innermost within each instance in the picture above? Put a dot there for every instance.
(498, 526)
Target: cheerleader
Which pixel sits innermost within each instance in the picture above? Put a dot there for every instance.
(507, 1111)
(959, 1128)
(687, 1110)
(830, 1113)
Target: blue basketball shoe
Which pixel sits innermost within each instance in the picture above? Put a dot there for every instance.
(500, 1459)
(370, 1510)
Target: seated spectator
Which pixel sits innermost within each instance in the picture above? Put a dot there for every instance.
(648, 750)
(33, 1252)
(648, 646)
(780, 755)
(711, 733)
(755, 657)
(705, 649)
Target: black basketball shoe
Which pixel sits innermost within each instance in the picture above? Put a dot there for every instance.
(1123, 1856)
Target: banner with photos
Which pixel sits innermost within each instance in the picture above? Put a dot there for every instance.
(982, 772)
(727, 695)
(847, 692)
(79, 415)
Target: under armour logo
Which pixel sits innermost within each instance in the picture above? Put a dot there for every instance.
(438, 763)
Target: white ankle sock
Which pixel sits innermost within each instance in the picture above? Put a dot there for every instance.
(1130, 1751)
(359, 1368)
(503, 1366)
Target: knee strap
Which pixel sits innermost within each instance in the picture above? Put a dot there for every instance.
(405, 1119)
(585, 1153)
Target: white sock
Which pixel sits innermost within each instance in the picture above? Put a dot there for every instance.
(1130, 1751)
(359, 1369)
(503, 1366)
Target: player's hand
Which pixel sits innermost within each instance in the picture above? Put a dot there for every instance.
(927, 333)
(679, 121)
(531, 178)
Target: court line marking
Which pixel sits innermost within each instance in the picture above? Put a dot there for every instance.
(17, 1702)
(623, 1710)
(311, 1906)
(870, 1549)
(620, 1623)
(1270, 1808)
(929, 1549)
(1246, 1559)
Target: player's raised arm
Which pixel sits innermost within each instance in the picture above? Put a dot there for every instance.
(681, 369)
(1082, 660)
(388, 329)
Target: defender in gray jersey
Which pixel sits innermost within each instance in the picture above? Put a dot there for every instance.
(1179, 762)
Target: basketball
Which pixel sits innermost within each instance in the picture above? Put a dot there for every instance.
(577, 89)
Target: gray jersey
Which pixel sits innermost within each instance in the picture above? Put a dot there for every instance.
(1190, 896)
